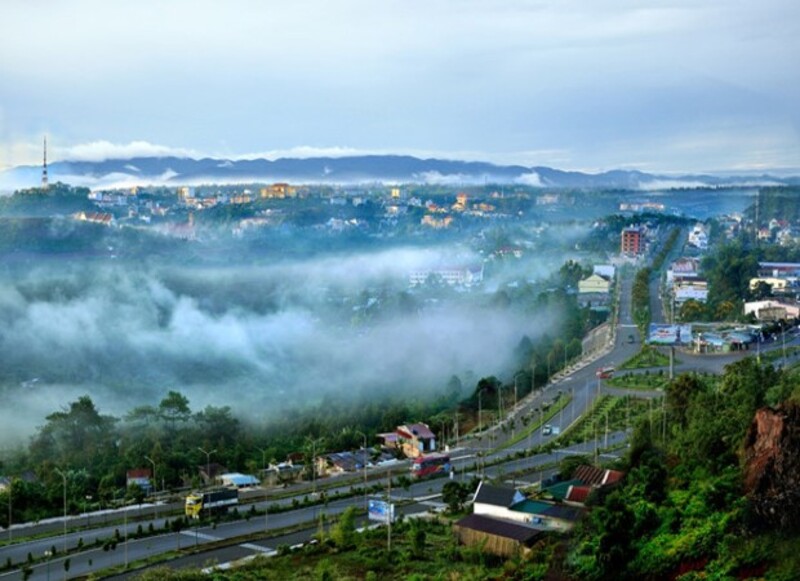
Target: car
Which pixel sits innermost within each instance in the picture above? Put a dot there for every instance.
(631, 339)
(547, 429)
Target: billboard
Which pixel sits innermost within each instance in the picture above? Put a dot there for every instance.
(381, 511)
(674, 335)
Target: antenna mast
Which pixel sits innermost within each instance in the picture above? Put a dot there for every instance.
(44, 166)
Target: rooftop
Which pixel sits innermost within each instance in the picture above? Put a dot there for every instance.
(500, 528)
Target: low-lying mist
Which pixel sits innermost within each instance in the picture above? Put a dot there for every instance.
(261, 340)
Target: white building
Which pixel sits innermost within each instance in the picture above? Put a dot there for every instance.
(465, 276)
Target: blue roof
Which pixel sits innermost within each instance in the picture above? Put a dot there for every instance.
(240, 479)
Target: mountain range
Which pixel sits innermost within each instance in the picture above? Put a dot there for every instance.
(355, 169)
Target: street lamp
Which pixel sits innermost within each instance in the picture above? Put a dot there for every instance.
(155, 484)
(314, 443)
(208, 461)
(64, 478)
(263, 476)
(366, 502)
(10, 514)
(47, 554)
(87, 499)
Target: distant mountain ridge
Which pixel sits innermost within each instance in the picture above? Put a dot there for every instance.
(355, 169)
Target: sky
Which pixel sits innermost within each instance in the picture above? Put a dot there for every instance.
(663, 85)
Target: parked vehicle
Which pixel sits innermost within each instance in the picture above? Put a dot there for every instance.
(211, 502)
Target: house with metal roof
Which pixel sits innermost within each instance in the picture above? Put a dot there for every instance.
(496, 536)
(238, 480)
(511, 505)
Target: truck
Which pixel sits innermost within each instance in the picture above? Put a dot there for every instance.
(200, 504)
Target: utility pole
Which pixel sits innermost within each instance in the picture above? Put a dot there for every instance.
(480, 410)
(64, 478)
(390, 515)
(366, 502)
(10, 512)
(125, 517)
(155, 484)
(208, 462)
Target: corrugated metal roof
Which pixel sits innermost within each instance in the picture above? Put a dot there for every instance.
(497, 495)
(559, 490)
(500, 528)
(578, 493)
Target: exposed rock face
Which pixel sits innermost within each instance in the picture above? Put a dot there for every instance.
(772, 466)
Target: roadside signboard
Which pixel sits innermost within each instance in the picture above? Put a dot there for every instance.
(381, 511)
(674, 335)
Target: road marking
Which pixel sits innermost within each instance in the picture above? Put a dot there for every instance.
(193, 534)
(259, 548)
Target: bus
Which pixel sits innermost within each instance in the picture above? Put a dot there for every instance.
(430, 465)
(605, 373)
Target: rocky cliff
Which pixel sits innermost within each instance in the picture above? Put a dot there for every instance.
(772, 466)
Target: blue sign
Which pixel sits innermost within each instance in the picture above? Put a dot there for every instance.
(381, 511)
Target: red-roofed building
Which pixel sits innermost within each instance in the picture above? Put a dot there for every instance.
(597, 477)
(577, 495)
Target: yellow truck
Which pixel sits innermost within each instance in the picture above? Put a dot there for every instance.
(199, 504)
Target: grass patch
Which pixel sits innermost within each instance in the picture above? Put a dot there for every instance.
(647, 357)
(533, 422)
(622, 413)
(642, 381)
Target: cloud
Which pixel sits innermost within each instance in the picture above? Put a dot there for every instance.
(102, 150)
(531, 179)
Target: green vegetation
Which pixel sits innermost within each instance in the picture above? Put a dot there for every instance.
(648, 357)
(619, 412)
(421, 549)
(640, 300)
(642, 381)
(683, 511)
(536, 421)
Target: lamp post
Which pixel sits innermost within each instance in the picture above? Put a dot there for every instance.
(263, 460)
(155, 483)
(783, 340)
(480, 410)
(47, 554)
(87, 500)
(64, 478)
(10, 512)
(366, 502)
(208, 461)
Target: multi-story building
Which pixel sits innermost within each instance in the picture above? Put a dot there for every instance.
(632, 241)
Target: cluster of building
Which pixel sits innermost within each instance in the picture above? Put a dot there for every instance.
(409, 440)
(684, 281)
(778, 283)
(779, 232)
(506, 522)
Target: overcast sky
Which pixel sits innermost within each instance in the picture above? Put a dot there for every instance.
(576, 84)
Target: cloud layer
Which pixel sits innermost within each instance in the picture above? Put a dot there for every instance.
(259, 339)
